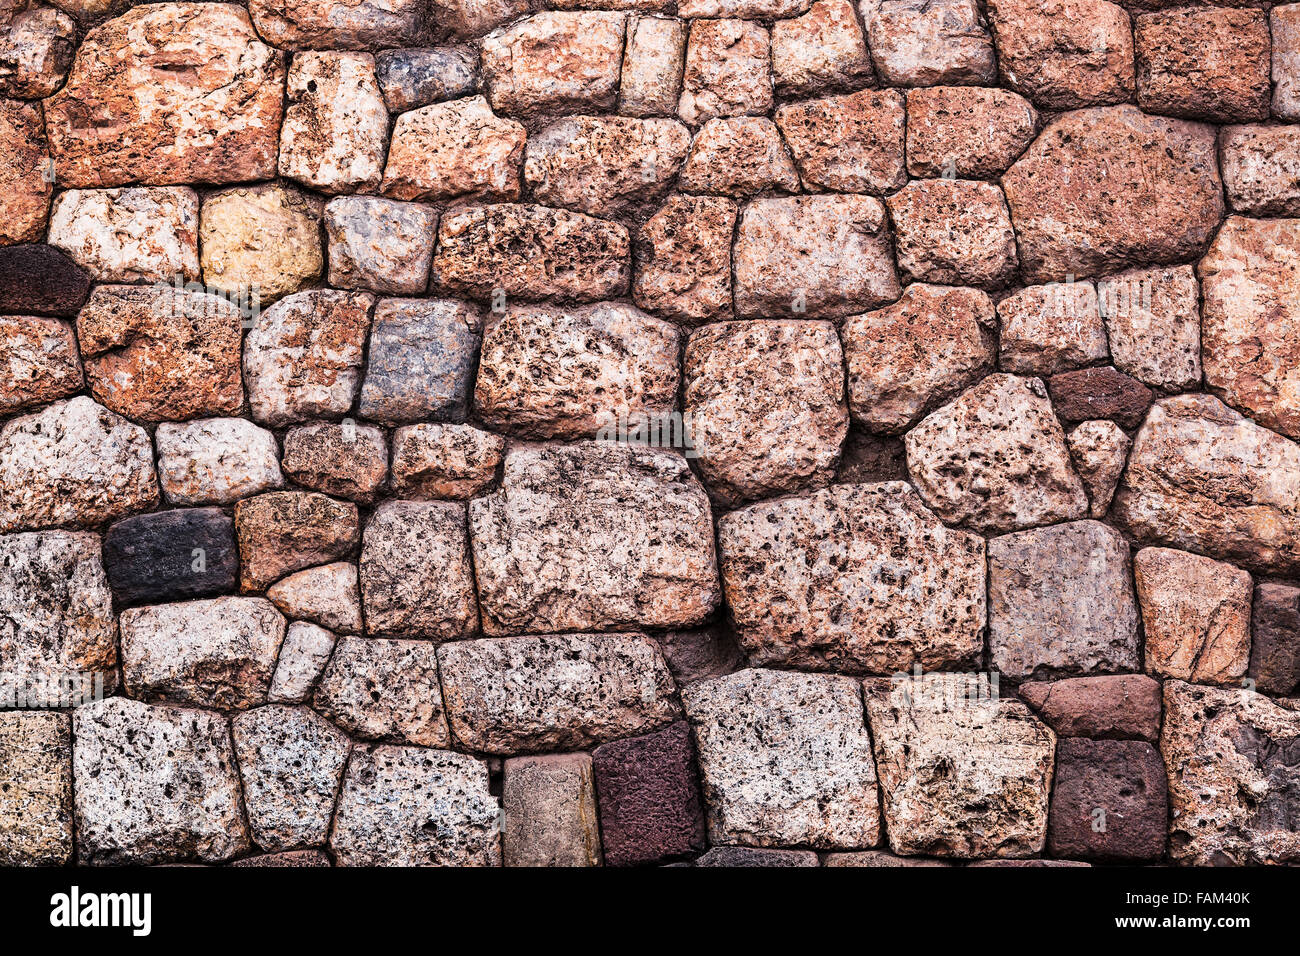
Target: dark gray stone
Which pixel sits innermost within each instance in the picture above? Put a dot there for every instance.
(171, 555)
(414, 78)
(41, 280)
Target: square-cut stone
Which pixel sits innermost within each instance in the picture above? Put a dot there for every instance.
(1110, 801)
(550, 811)
(851, 143)
(728, 71)
(171, 555)
(35, 788)
(380, 244)
(554, 61)
(387, 690)
(953, 231)
(929, 42)
(1153, 323)
(683, 259)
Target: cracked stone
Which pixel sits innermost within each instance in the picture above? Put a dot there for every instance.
(285, 531)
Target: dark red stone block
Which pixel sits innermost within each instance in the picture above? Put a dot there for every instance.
(1110, 801)
(702, 653)
(1275, 639)
(1121, 707)
(1090, 393)
(41, 280)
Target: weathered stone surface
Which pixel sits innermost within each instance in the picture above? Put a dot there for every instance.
(24, 191)
(683, 259)
(593, 535)
(285, 531)
(554, 372)
(530, 252)
(1095, 393)
(416, 578)
(408, 806)
(36, 50)
(129, 235)
(216, 461)
(1275, 631)
(1207, 63)
(379, 244)
(954, 231)
(1284, 21)
(526, 694)
(1110, 801)
(289, 858)
(1108, 187)
(963, 774)
(35, 789)
(445, 461)
(336, 126)
(910, 356)
(995, 458)
(869, 457)
(302, 358)
(966, 132)
(40, 360)
(701, 653)
(1196, 613)
(303, 654)
(728, 71)
(1232, 783)
(380, 689)
(785, 759)
(327, 595)
(739, 156)
(291, 763)
(1203, 478)
(171, 555)
(738, 856)
(1126, 706)
(820, 256)
(766, 406)
(322, 24)
(1061, 602)
(1261, 169)
(650, 807)
(555, 62)
(214, 653)
(821, 51)
(450, 150)
(1099, 449)
(876, 859)
(345, 460)
(41, 280)
(929, 42)
(1153, 323)
(154, 785)
(161, 353)
(73, 463)
(1047, 329)
(468, 19)
(263, 239)
(653, 61)
(550, 812)
(421, 360)
(420, 76)
(917, 587)
(756, 9)
(850, 143)
(167, 93)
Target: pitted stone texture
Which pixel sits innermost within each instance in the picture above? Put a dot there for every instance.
(653, 61)
(1125, 781)
(702, 653)
(445, 461)
(1284, 22)
(1061, 602)
(1108, 187)
(154, 785)
(302, 359)
(416, 578)
(1196, 614)
(1250, 323)
(167, 93)
(40, 360)
(74, 463)
(1100, 449)
(452, 150)
(24, 191)
(964, 775)
(336, 126)
(291, 763)
(929, 42)
(36, 50)
(171, 555)
(757, 9)
(1047, 329)
(766, 406)
(955, 231)
(216, 461)
(554, 62)
(469, 19)
(742, 856)
(785, 759)
(821, 51)
(526, 694)
(129, 235)
(421, 361)
(1096, 393)
(379, 244)
(1232, 782)
(850, 143)
(858, 579)
(327, 595)
(154, 354)
(910, 356)
(1064, 54)
(739, 156)
(554, 372)
(593, 535)
(550, 811)
(1126, 706)
(380, 689)
(877, 859)
(421, 76)
(825, 255)
(995, 459)
(324, 24)
(1153, 323)
(683, 259)
(41, 280)
(1206, 63)
(345, 460)
(966, 132)
(58, 620)
(263, 239)
(1261, 169)
(285, 531)
(1275, 645)
(35, 789)
(530, 252)
(1203, 478)
(728, 71)
(304, 653)
(289, 858)
(408, 806)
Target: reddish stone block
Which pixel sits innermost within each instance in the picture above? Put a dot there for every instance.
(1091, 393)
(1110, 802)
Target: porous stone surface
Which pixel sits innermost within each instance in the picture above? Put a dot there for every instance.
(653, 61)
(129, 235)
(41, 280)
(929, 42)
(378, 244)
(1100, 450)
(953, 231)
(1045, 329)
(320, 24)
(851, 143)
(381, 689)
(1275, 638)
(555, 61)
(420, 76)
(683, 259)
(739, 156)
(215, 461)
(24, 156)
(728, 70)
(36, 49)
(822, 50)
(171, 555)
(35, 788)
(346, 460)
(549, 804)
(454, 149)
(1099, 393)
(1110, 801)
(1261, 169)
(1153, 325)
(261, 239)
(285, 531)
(744, 856)
(336, 124)
(1120, 707)
(1284, 24)
(965, 132)
(445, 461)
(40, 359)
